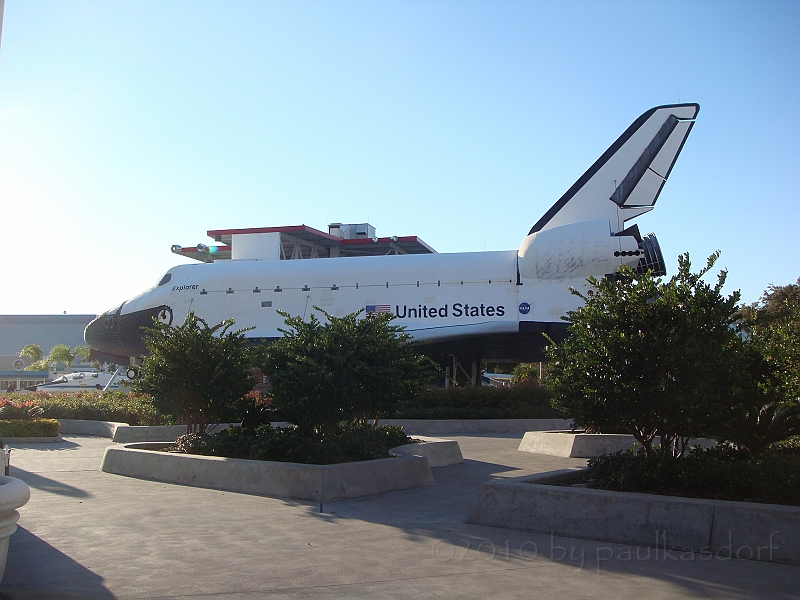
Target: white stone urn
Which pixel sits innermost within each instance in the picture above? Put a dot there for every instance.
(13, 494)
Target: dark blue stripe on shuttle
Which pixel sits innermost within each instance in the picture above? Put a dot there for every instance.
(638, 170)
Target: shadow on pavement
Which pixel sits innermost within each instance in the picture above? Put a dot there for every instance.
(35, 570)
(45, 484)
(46, 447)
(438, 513)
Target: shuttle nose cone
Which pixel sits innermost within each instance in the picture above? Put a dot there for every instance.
(121, 335)
(93, 333)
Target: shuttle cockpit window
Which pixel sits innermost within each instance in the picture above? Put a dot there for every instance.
(165, 279)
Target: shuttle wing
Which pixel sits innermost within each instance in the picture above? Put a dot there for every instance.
(626, 180)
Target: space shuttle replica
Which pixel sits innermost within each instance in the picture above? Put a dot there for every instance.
(465, 307)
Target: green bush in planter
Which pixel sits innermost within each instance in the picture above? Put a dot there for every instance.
(354, 443)
(348, 370)
(124, 407)
(527, 400)
(34, 428)
(655, 359)
(24, 410)
(722, 473)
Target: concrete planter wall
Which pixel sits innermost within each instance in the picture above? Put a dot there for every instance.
(85, 427)
(13, 494)
(283, 480)
(440, 453)
(766, 532)
(32, 440)
(574, 445)
(585, 445)
(123, 433)
(479, 426)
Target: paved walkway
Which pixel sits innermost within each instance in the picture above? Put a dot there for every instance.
(87, 534)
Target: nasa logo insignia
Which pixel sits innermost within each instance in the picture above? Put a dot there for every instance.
(524, 308)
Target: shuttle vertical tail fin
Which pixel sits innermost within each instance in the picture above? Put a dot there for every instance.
(626, 180)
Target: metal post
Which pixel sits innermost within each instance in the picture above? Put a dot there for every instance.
(6, 459)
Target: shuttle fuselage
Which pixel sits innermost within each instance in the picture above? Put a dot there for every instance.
(489, 304)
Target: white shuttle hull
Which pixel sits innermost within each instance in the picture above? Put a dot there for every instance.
(490, 305)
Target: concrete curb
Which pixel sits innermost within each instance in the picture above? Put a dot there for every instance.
(85, 427)
(570, 444)
(122, 433)
(451, 426)
(574, 445)
(318, 483)
(766, 532)
(125, 434)
(440, 453)
(128, 434)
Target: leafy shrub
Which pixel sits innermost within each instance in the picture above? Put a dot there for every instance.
(525, 372)
(254, 410)
(722, 473)
(348, 369)
(651, 358)
(790, 446)
(753, 425)
(523, 401)
(196, 372)
(32, 428)
(134, 409)
(359, 442)
(19, 411)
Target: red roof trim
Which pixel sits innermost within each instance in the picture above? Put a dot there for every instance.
(298, 229)
(286, 229)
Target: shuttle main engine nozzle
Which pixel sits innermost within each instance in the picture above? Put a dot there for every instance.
(652, 259)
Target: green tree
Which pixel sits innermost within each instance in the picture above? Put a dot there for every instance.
(755, 422)
(195, 372)
(767, 409)
(777, 304)
(61, 353)
(347, 370)
(525, 372)
(651, 358)
(32, 351)
(773, 326)
(35, 353)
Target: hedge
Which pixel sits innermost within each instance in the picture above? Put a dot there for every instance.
(356, 443)
(35, 428)
(520, 401)
(721, 473)
(134, 409)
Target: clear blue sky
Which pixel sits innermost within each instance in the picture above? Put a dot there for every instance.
(126, 127)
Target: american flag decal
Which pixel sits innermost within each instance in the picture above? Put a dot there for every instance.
(378, 308)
